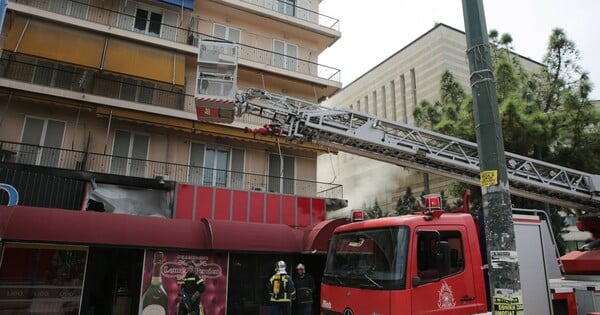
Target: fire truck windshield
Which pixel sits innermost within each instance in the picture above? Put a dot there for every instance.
(374, 258)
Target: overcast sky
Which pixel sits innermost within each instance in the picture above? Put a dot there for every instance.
(374, 30)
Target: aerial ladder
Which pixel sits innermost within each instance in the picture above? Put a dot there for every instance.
(389, 141)
(345, 130)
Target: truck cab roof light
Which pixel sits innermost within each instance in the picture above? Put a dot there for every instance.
(357, 215)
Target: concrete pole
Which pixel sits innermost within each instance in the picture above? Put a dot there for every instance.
(503, 264)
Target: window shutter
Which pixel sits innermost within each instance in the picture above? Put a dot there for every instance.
(127, 18)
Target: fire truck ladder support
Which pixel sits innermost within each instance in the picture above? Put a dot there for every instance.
(389, 141)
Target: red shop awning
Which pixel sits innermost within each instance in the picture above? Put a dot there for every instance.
(22, 223)
(318, 237)
(266, 237)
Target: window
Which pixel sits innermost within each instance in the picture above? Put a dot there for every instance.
(78, 9)
(148, 20)
(216, 162)
(227, 33)
(216, 166)
(281, 177)
(439, 254)
(372, 258)
(42, 279)
(403, 100)
(137, 91)
(44, 138)
(393, 99)
(285, 6)
(413, 79)
(130, 151)
(285, 55)
(51, 74)
(375, 103)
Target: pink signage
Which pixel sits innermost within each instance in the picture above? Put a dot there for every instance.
(163, 271)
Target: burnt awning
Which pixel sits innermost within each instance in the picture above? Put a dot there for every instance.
(318, 237)
(23, 223)
(248, 236)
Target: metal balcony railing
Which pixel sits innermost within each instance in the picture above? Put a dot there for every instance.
(173, 33)
(290, 8)
(21, 153)
(68, 77)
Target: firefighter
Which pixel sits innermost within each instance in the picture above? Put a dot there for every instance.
(305, 285)
(281, 290)
(191, 289)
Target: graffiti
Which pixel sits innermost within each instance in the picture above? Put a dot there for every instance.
(13, 194)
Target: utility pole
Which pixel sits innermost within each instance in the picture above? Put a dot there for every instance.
(503, 263)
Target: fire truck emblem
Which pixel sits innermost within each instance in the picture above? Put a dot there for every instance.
(445, 297)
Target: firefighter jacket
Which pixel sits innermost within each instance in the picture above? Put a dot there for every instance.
(304, 289)
(192, 283)
(281, 288)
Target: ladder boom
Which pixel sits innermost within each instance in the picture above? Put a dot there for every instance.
(392, 142)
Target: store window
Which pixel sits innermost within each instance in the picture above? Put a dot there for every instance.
(41, 279)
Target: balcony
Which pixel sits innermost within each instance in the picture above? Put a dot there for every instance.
(46, 73)
(172, 33)
(21, 153)
(290, 8)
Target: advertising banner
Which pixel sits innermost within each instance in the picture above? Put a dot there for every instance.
(162, 275)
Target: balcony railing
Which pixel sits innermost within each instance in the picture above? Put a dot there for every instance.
(173, 33)
(291, 9)
(67, 77)
(21, 153)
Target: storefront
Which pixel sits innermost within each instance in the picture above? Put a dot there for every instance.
(76, 262)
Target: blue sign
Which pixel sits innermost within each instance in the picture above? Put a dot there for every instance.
(13, 194)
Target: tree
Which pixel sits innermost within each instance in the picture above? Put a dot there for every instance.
(407, 204)
(374, 211)
(545, 115)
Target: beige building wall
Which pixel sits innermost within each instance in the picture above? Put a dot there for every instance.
(391, 90)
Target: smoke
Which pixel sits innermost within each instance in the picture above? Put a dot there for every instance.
(364, 180)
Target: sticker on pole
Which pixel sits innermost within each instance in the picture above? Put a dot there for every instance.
(501, 257)
(507, 304)
(488, 178)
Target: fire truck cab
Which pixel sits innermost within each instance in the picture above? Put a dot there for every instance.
(434, 263)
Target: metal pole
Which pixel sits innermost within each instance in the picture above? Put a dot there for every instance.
(503, 263)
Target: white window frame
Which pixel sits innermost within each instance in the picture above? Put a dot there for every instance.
(129, 156)
(39, 152)
(283, 59)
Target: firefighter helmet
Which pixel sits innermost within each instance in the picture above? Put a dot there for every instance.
(280, 266)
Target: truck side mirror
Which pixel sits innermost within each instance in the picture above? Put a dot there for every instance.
(416, 281)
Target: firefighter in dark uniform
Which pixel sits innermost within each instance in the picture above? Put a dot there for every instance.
(305, 285)
(191, 289)
(281, 291)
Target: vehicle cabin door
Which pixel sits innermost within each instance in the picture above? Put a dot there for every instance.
(442, 283)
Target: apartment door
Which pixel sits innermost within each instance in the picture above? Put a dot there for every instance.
(130, 151)
(285, 55)
(216, 162)
(281, 174)
(44, 139)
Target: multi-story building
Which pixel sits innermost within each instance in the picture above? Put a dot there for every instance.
(117, 131)
(391, 90)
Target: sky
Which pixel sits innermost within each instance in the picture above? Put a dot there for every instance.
(374, 30)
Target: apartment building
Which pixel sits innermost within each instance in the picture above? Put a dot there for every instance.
(391, 90)
(119, 136)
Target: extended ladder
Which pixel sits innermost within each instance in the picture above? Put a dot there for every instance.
(389, 141)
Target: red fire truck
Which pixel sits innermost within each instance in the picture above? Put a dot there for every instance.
(434, 262)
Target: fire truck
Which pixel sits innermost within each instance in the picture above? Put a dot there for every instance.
(432, 261)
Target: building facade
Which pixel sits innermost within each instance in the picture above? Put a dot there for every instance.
(391, 90)
(119, 136)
